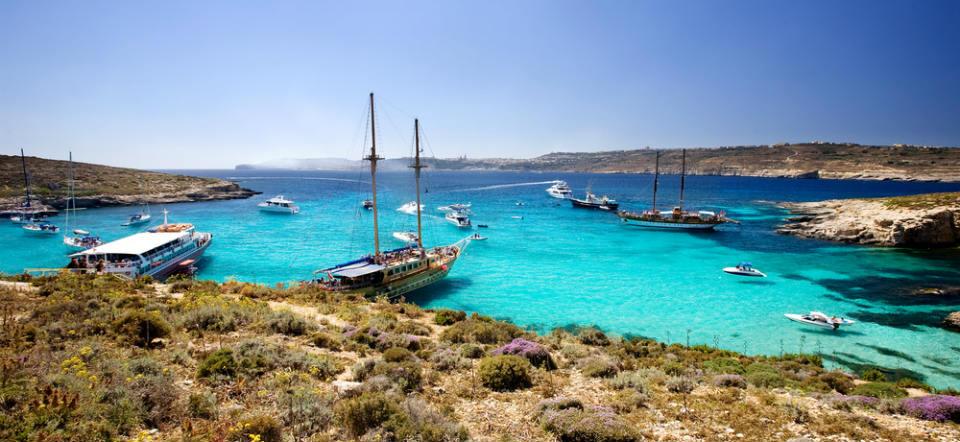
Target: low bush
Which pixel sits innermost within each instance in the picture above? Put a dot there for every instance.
(412, 328)
(260, 427)
(629, 380)
(873, 375)
(674, 369)
(913, 383)
(594, 424)
(529, 350)
(879, 390)
(681, 385)
(724, 366)
(559, 403)
(592, 336)
(418, 421)
(326, 340)
(729, 381)
(448, 359)
(218, 364)
(365, 412)
(598, 367)
(140, 328)
(202, 406)
(479, 331)
(471, 351)
(838, 381)
(504, 372)
(448, 317)
(766, 379)
(290, 324)
(940, 408)
(397, 354)
(407, 375)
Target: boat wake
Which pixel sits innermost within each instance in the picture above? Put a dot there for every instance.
(505, 186)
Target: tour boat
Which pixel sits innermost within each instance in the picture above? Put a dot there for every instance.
(677, 218)
(458, 207)
(458, 218)
(41, 228)
(159, 252)
(594, 202)
(279, 204)
(411, 208)
(744, 269)
(560, 190)
(819, 319)
(407, 237)
(81, 239)
(394, 272)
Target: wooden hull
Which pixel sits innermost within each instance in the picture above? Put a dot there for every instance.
(668, 224)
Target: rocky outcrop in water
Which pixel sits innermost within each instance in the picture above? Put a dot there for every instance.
(952, 321)
(923, 221)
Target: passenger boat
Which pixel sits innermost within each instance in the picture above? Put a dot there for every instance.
(407, 237)
(81, 239)
(560, 190)
(279, 204)
(592, 201)
(819, 319)
(677, 218)
(458, 207)
(458, 219)
(394, 272)
(44, 228)
(744, 269)
(159, 252)
(411, 208)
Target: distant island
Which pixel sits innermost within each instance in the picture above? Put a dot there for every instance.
(99, 186)
(813, 160)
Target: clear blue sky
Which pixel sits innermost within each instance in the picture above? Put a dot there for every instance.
(169, 84)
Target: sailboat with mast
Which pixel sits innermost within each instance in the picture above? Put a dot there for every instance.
(26, 213)
(678, 218)
(80, 239)
(394, 272)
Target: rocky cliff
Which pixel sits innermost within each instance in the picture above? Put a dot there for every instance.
(921, 221)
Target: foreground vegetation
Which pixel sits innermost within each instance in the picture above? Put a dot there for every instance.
(86, 358)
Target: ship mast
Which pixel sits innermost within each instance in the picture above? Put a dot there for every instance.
(683, 175)
(373, 175)
(416, 172)
(26, 178)
(656, 180)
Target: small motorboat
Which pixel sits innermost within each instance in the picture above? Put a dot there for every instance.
(27, 218)
(477, 237)
(407, 237)
(42, 228)
(521, 203)
(744, 269)
(279, 204)
(367, 204)
(410, 208)
(819, 319)
(137, 219)
(458, 219)
(594, 202)
(482, 226)
(560, 190)
(458, 207)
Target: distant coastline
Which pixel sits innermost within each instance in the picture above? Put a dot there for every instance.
(813, 160)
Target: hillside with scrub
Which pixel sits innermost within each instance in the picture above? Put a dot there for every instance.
(87, 358)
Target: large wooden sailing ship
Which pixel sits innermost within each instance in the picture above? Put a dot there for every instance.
(395, 272)
(678, 218)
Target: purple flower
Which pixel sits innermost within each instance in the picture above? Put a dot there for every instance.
(533, 352)
(939, 408)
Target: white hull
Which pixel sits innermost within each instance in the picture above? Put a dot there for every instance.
(801, 319)
(558, 195)
(668, 225)
(738, 272)
(278, 209)
(142, 220)
(408, 237)
(410, 209)
(40, 232)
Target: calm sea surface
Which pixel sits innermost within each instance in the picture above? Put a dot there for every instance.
(548, 265)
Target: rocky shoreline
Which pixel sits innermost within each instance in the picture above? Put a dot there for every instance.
(922, 221)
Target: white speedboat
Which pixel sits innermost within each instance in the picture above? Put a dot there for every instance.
(82, 240)
(279, 204)
(137, 219)
(744, 269)
(819, 319)
(407, 237)
(560, 190)
(41, 228)
(477, 237)
(410, 208)
(458, 207)
(458, 219)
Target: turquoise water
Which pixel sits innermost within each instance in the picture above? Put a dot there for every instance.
(558, 266)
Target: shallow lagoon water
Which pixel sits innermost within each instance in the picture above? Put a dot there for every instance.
(548, 265)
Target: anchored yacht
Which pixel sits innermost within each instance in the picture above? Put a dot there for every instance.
(458, 218)
(279, 204)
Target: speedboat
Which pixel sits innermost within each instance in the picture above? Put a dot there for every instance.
(407, 237)
(744, 269)
(137, 219)
(458, 218)
(410, 208)
(458, 207)
(477, 237)
(41, 227)
(368, 204)
(560, 190)
(27, 218)
(595, 202)
(279, 204)
(819, 319)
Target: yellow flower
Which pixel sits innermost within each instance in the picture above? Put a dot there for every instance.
(254, 437)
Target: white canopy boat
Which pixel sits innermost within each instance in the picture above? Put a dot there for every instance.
(819, 319)
(279, 204)
(41, 228)
(407, 237)
(744, 269)
(560, 190)
(458, 219)
(410, 208)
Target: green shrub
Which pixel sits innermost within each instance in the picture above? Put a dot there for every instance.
(765, 379)
(471, 351)
(418, 421)
(365, 412)
(592, 336)
(873, 375)
(913, 383)
(598, 367)
(397, 354)
(218, 363)
(504, 372)
(326, 340)
(629, 380)
(448, 317)
(140, 328)
(681, 385)
(760, 367)
(262, 425)
(407, 375)
(729, 381)
(674, 369)
(479, 331)
(594, 424)
(202, 406)
(879, 390)
(838, 381)
(412, 328)
(724, 366)
(287, 323)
